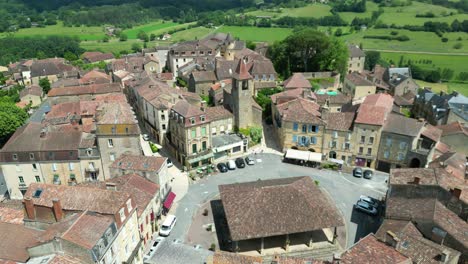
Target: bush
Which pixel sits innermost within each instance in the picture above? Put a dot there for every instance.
(399, 38)
(444, 39)
(457, 46)
(394, 33)
(123, 37)
(256, 134)
(153, 147)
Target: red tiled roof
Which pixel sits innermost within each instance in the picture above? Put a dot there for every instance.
(74, 198)
(11, 215)
(95, 56)
(15, 240)
(358, 79)
(87, 230)
(139, 163)
(85, 89)
(300, 110)
(339, 121)
(222, 257)
(372, 115)
(369, 249)
(218, 85)
(432, 132)
(297, 80)
(95, 76)
(242, 72)
(217, 113)
(31, 90)
(453, 128)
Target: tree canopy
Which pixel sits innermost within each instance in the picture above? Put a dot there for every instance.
(309, 50)
(11, 117)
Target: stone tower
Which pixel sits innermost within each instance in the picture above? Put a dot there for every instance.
(242, 91)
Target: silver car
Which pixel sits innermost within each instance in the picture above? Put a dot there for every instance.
(249, 161)
(365, 207)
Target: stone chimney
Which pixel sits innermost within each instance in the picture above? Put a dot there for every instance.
(57, 207)
(416, 180)
(444, 256)
(111, 186)
(29, 207)
(391, 239)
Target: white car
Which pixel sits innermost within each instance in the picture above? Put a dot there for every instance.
(249, 161)
(145, 137)
(167, 225)
(231, 165)
(169, 163)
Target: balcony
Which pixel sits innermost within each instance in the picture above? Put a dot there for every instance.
(92, 169)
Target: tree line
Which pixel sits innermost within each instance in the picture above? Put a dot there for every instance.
(14, 49)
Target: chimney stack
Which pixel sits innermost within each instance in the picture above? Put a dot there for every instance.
(416, 180)
(29, 207)
(391, 239)
(57, 206)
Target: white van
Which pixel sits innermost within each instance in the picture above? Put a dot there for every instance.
(167, 225)
(231, 165)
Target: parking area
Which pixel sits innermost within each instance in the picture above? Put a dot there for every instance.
(343, 188)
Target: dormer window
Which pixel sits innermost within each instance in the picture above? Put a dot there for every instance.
(15, 156)
(129, 205)
(31, 156)
(209, 52)
(89, 152)
(122, 214)
(192, 120)
(202, 118)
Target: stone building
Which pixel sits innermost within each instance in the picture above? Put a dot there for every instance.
(200, 82)
(453, 134)
(247, 113)
(357, 86)
(31, 95)
(356, 59)
(338, 138)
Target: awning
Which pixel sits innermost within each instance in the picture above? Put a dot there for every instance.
(303, 155)
(169, 200)
(199, 158)
(337, 161)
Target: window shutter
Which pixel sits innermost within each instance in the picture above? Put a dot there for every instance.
(343, 146)
(330, 144)
(294, 138)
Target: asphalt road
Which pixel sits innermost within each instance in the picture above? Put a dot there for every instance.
(344, 189)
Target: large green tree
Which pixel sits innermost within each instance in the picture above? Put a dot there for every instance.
(372, 58)
(309, 50)
(44, 83)
(11, 117)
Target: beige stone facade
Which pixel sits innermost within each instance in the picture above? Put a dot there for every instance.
(339, 145)
(367, 140)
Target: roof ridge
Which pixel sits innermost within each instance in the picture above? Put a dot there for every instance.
(70, 227)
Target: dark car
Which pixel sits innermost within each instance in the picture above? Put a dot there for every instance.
(222, 167)
(365, 207)
(357, 172)
(240, 163)
(368, 174)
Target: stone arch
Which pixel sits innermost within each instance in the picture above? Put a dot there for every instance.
(294, 147)
(312, 150)
(332, 155)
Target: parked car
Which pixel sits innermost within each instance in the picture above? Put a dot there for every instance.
(240, 163)
(368, 174)
(222, 167)
(157, 242)
(249, 160)
(372, 201)
(357, 172)
(365, 207)
(169, 163)
(167, 225)
(145, 137)
(231, 165)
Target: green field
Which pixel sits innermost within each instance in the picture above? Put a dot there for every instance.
(189, 34)
(117, 46)
(158, 27)
(269, 35)
(349, 16)
(84, 33)
(445, 87)
(419, 41)
(312, 10)
(455, 62)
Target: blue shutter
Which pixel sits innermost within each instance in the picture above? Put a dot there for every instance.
(294, 138)
(295, 126)
(316, 129)
(310, 128)
(313, 140)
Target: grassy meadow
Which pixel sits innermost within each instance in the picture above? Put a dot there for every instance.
(84, 33)
(269, 35)
(312, 10)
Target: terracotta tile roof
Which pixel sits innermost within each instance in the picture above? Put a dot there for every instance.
(27, 139)
(130, 64)
(402, 125)
(166, 76)
(22, 104)
(49, 67)
(369, 249)
(242, 72)
(262, 66)
(381, 99)
(15, 241)
(276, 207)
(453, 162)
(339, 121)
(115, 113)
(451, 223)
(87, 230)
(11, 215)
(442, 147)
(218, 113)
(95, 76)
(355, 51)
(432, 132)
(300, 110)
(398, 227)
(406, 99)
(453, 128)
(225, 68)
(187, 110)
(298, 260)
(218, 85)
(102, 88)
(297, 80)
(358, 79)
(223, 257)
(292, 94)
(372, 115)
(139, 163)
(31, 90)
(74, 198)
(95, 56)
(204, 76)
